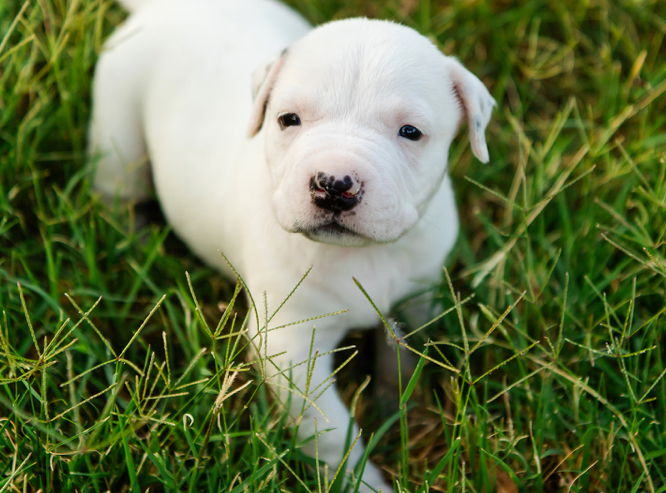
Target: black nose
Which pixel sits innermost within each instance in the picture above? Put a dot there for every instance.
(335, 195)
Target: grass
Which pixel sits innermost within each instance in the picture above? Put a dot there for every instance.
(119, 372)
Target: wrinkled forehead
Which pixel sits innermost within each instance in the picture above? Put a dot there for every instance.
(354, 65)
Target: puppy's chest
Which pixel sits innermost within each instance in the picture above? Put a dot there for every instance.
(384, 276)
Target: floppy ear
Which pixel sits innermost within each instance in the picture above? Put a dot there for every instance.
(477, 104)
(263, 80)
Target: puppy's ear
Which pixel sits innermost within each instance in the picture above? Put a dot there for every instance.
(263, 80)
(477, 104)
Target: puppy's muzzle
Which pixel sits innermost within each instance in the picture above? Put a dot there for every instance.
(335, 194)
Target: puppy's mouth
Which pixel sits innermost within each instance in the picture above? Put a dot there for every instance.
(334, 233)
(333, 229)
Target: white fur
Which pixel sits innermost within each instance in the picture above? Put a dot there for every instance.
(175, 85)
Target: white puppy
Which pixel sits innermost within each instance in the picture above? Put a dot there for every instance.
(331, 156)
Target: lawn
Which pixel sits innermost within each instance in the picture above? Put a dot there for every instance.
(122, 358)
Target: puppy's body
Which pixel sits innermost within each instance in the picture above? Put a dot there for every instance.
(174, 86)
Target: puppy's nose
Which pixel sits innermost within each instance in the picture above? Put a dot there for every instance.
(335, 194)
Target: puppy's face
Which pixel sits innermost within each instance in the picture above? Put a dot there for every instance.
(358, 118)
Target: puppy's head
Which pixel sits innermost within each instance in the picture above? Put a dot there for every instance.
(358, 118)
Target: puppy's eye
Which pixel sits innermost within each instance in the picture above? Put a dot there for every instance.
(289, 120)
(410, 132)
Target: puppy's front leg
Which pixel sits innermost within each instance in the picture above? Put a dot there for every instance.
(298, 364)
